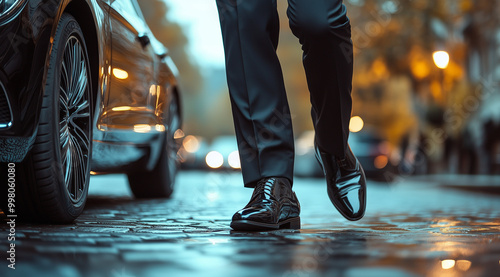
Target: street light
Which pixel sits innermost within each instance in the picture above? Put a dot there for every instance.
(441, 59)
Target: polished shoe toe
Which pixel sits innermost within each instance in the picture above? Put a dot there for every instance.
(273, 206)
(257, 214)
(351, 204)
(346, 183)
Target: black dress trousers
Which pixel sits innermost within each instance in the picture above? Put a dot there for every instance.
(262, 119)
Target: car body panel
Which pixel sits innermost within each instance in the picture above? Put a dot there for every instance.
(112, 30)
(366, 145)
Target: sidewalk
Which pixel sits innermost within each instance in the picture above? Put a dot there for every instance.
(475, 183)
(411, 228)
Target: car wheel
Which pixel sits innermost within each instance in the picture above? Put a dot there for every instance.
(159, 182)
(58, 166)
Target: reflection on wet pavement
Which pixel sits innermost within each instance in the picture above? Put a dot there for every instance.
(411, 229)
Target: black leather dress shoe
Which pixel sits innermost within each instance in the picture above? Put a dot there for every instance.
(273, 206)
(346, 183)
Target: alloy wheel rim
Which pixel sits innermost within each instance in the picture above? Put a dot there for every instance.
(74, 119)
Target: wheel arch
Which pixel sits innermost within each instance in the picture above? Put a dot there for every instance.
(83, 14)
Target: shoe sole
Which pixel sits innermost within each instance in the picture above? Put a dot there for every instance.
(248, 225)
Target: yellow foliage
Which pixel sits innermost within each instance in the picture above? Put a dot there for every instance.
(379, 69)
(420, 63)
(436, 89)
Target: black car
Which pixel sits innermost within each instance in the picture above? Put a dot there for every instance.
(84, 88)
(372, 152)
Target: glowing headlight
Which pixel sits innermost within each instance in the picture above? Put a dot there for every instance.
(214, 159)
(10, 8)
(234, 160)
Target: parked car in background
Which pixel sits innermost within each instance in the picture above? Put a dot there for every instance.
(306, 164)
(223, 154)
(84, 87)
(193, 151)
(372, 152)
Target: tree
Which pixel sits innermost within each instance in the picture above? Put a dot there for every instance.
(173, 37)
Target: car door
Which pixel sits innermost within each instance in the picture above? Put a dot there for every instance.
(131, 100)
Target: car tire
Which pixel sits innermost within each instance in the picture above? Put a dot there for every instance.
(57, 169)
(159, 182)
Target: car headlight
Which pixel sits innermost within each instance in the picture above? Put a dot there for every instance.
(214, 159)
(10, 9)
(234, 160)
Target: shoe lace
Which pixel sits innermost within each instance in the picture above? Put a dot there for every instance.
(264, 186)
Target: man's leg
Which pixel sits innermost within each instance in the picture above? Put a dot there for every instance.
(262, 120)
(250, 29)
(325, 34)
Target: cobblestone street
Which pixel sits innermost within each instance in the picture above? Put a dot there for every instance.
(414, 227)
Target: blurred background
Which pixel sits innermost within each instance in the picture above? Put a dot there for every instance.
(426, 85)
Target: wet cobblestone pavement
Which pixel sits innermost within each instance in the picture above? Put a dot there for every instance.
(412, 228)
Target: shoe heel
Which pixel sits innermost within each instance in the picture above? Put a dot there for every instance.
(294, 223)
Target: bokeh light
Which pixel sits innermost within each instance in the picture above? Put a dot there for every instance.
(356, 124)
(441, 59)
(214, 159)
(381, 161)
(463, 265)
(191, 144)
(179, 134)
(447, 264)
(142, 128)
(120, 73)
(234, 160)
